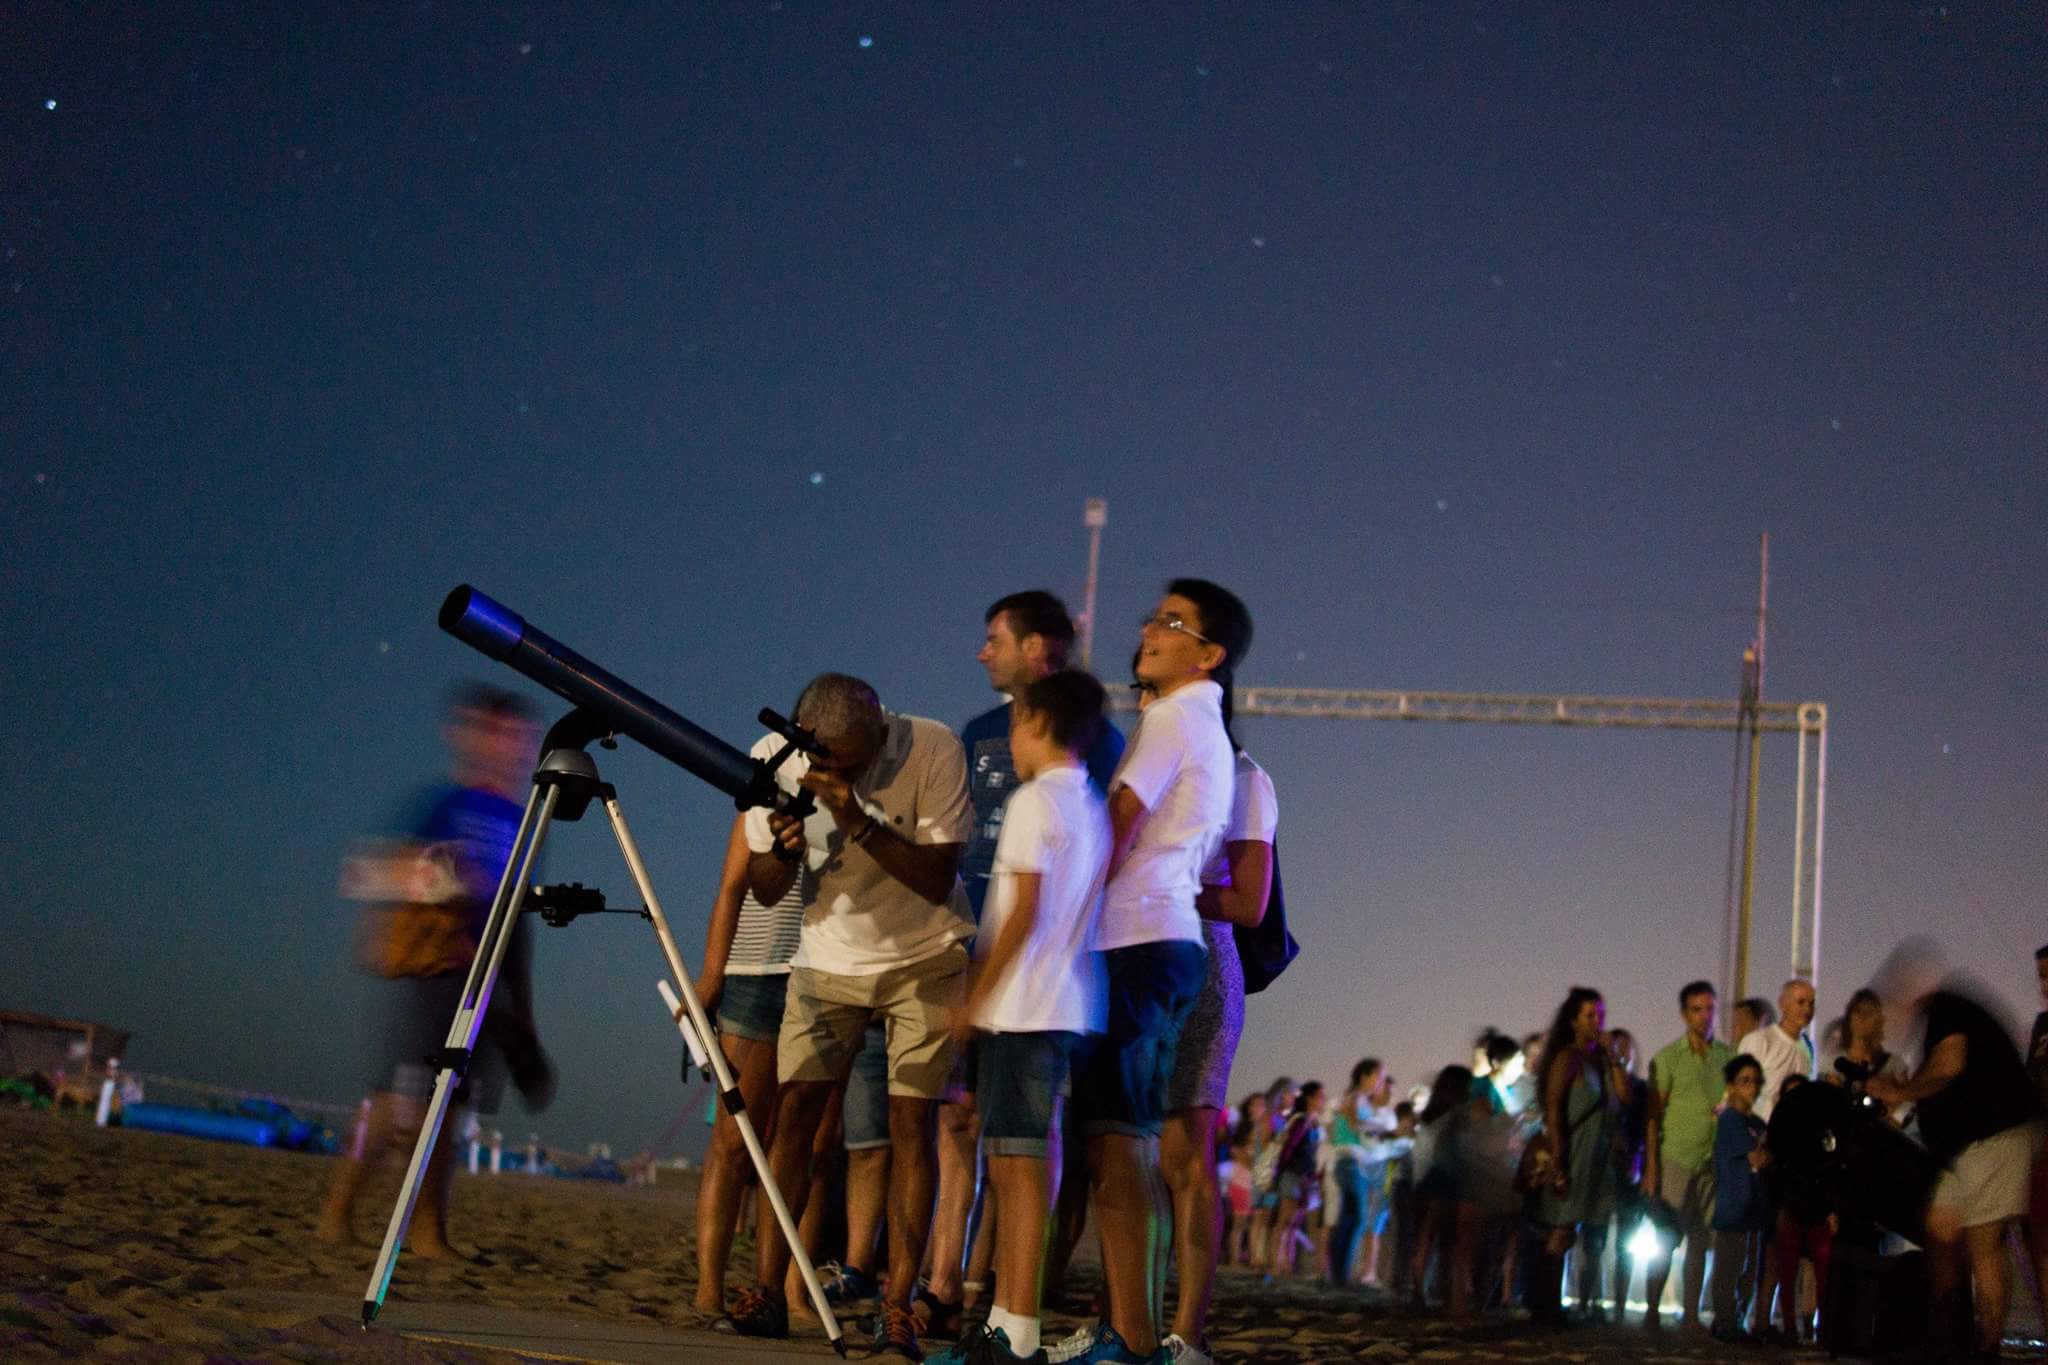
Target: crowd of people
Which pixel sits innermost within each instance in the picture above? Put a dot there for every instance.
(1541, 1174)
(989, 991)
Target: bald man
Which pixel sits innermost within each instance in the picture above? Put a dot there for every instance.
(1783, 1047)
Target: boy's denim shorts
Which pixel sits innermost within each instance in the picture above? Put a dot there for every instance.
(1019, 1078)
(1121, 1084)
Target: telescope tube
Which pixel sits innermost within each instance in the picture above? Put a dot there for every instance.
(496, 630)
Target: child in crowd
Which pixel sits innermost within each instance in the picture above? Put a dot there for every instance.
(1252, 1135)
(1806, 1227)
(1742, 1207)
(1298, 1184)
(1035, 991)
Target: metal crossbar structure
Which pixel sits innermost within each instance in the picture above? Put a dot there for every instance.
(1484, 708)
(1807, 720)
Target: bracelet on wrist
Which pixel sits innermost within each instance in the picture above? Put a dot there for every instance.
(865, 832)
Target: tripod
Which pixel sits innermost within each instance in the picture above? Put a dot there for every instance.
(563, 787)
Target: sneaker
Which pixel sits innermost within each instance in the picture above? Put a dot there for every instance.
(983, 1346)
(1075, 1346)
(757, 1314)
(846, 1284)
(896, 1334)
(1109, 1349)
(1183, 1352)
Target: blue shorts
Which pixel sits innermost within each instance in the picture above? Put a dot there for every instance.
(1019, 1078)
(865, 1114)
(1121, 1084)
(750, 1007)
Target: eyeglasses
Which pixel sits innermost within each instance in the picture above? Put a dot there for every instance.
(1168, 621)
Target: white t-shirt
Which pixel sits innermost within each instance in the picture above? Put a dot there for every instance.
(1254, 816)
(1056, 826)
(1180, 765)
(864, 921)
(1781, 1056)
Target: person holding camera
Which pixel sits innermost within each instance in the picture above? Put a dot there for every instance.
(883, 938)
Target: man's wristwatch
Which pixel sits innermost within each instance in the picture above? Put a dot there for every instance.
(865, 832)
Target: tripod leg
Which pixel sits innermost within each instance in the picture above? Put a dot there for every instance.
(463, 1029)
(728, 1088)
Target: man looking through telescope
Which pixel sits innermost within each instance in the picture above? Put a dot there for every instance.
(883, 939)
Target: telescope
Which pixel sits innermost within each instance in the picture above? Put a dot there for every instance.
(565, 783)
(610, 705)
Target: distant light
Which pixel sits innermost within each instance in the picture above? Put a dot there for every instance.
(49, 104)
(1443, 505)
(383, 646)
(817, 477)
(866, 41)
(1646, 1245)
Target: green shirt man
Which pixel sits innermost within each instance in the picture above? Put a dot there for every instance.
(1688, 1081)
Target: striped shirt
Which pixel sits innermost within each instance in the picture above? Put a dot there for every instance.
(766, 937)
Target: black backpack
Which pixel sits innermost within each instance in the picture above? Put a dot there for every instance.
(1266, 950)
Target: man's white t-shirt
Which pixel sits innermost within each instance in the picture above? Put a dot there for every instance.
(1181, 766)
(1254, 818)
(1781, 1056)
(1057, 827)
(864, 921)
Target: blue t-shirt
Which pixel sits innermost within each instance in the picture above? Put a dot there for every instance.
(992, 776)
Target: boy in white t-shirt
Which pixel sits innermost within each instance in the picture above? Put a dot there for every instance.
(1169, 806)
(1037, 987)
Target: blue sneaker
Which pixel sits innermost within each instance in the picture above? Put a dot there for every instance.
(1100, 1345)
(847, 1285)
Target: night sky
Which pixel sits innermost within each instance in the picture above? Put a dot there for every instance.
(1473, 345)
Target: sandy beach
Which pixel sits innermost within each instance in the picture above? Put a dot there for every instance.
(123, 1245)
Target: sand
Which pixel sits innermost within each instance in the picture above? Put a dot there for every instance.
(144, 1246)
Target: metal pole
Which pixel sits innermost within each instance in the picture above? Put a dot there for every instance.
(1094, 516)
(1799, 968)
(1742, 920)
(1753, 692)
(1820, 824)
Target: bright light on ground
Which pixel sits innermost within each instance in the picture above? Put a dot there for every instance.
(1646, 1244)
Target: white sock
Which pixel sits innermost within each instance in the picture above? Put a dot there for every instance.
(1022, 1332)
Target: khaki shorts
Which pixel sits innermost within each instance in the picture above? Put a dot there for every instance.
(827, 1013)
(1989, 1180)
(1689, 1193)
